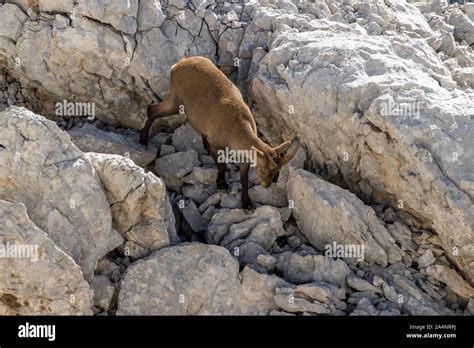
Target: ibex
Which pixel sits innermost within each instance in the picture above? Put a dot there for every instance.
(216, 109)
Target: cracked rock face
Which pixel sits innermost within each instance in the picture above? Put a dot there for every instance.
(194, 279)
(45, 280)
(326, 214)
(89, 138)
(140, 209)
(347, 97)
(44, 170)
(121, 50)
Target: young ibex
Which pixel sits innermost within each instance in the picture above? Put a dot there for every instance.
(215, 108)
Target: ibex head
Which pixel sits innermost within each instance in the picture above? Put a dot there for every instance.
(268, 166)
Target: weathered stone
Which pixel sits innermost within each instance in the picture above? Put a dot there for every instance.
(362, 115)
(206, 176)
(195, 279)
(425, 259)
(89, 138)
(325, 214)
(175, 166)
(140, 208)
(303, 269)
(149, 14)
(268, 196)
(103, 292)
(45, 279)
(361, 284)
(41, 168)
(186, 138)
(12, 19)
(193, 217)
(453, 280)
(263, 227)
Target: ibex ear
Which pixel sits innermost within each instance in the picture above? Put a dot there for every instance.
(290, 153)
(281, 149)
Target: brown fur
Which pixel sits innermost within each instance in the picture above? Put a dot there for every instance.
(215, 108)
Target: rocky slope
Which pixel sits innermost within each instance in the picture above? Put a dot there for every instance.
(373, 216)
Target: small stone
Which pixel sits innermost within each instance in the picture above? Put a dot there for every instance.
(293, 241)
(193, 217)
(186, 138)
(361, 284)
(452, 279)
(199, 193)
(206, 176)
(103, 291)
(321, 292)
(427, 258)
(205, 159)
(207, 215)
(161, 138)
(299, 305)
(268, 196)
(212, 200)
(166, 150)
(229, 201)
(377, 281)
(133, 250)
(175, 166)
(470, 306)
(266, 261)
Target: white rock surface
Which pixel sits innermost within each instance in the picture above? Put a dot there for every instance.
(194, 279)
(89, 138)
(45, 280)
(327, 214)
(140, 208)
(350, 97)
(41, 168)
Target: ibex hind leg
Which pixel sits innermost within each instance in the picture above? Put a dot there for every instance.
(169, 106)
(206, 144)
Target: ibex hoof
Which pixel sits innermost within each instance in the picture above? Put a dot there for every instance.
(247, 205)
(143, 141)
(222, 185)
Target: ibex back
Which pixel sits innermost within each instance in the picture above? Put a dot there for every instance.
(215, 108)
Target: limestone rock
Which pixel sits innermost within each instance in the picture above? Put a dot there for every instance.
(325, 213)
(453, 280)
(103, 291)
(41, 168)
(195, 279)
(140, 207)
(44, 280)
(382, 142)
(299, 269)
(89, 138)
(175, 166)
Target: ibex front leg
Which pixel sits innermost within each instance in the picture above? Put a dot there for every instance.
(244, 180)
